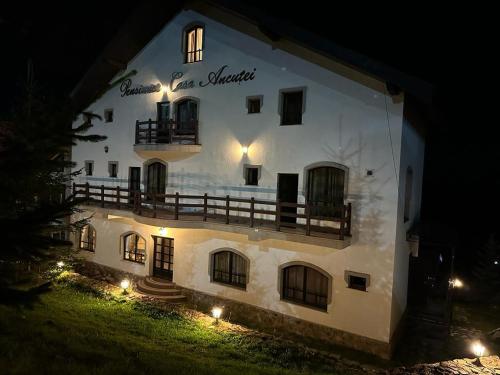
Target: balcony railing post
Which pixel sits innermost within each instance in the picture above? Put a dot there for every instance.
(342, 222)
(136, 131)
(149, 130)
(205, 206)
(102, 195)
(308, 219)
(252, 207)
(177, 206)
(278, 215)
(349, 215)
(196, 134)
(170, 130)
(139, 202)
(118, 196)
(87, 191)
(154, 204)
(227, 209)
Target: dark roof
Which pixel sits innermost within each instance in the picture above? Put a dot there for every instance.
(150, 17)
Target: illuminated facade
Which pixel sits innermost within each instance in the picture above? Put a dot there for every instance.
(292, 178)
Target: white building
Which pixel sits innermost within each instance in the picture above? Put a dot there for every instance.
(323, 146)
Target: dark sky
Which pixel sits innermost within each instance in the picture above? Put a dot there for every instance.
(462, 174)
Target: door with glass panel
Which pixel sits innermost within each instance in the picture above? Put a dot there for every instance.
(163, 259)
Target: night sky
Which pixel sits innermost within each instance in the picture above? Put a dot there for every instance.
(462, 174)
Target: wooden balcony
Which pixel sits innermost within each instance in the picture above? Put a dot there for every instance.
(255, 214)
(166, 140)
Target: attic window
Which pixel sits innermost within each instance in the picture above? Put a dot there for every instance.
(89, 167)
(108, 115)
(193, 44)
(252, 174)
(254, 103)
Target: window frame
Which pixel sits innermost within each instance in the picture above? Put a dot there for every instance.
(185, 34)
(90, 245)
(135, 250)
(108, 111)
(259, 98)
(246, 167)
(303, 302)
(91, 164)
(349, 274)
(232, 254)
(281, 104)
(110, 163)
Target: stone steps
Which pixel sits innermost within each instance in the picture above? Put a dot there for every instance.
(159, 289)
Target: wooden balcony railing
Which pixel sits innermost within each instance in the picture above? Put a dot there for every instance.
(228, 210)
(170, 131)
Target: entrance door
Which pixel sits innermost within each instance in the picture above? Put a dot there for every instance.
(156, 179)
(134, 182)
(163, 261)
(288, 184)
(163, 110)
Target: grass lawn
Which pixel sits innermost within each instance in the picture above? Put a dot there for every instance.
(73, 332)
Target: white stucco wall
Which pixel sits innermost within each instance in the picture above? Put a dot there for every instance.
(344, 122)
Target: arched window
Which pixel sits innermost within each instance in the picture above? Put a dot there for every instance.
(325, 190)
(408, 193)
(87, 238)
(229, 268)
(134, 248)
(305, 285)
(193, 44)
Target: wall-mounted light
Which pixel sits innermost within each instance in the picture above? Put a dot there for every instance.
(60, 264)
(457, 283)
(244, 150)
(106, 149)
(164, 88)
(163, 231)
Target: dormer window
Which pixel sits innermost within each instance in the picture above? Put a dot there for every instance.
(193, 44)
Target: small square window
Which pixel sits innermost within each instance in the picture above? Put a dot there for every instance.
(89, 168)
(108, 115)
(113, 168)
(254, 105)
(357, 282)
(252, 175)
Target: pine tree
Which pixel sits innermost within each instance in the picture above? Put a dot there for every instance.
(35, 142)
(487, 268)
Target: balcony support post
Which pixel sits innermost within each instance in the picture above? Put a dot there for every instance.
(227, 209)
(102, 195)
(308, 219)
(278, 215)
(118, 196)
(177, 206)
(205, 206)
(252, 213)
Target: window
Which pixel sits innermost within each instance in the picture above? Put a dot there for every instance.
(325, 190)
(193, 44)
(186, 116)
(108, 115)
(305, 285)
(89, 167)
(254, 103)
(408, 193)
(229, 268)
(358, 281)
(134, 248)
(252, 174)
(291, 106)
(87, 238)
(113, 168)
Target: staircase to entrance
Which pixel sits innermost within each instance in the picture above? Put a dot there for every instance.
(161, 289)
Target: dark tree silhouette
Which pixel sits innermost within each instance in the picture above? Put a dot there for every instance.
(35, 144)
(487, 268)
